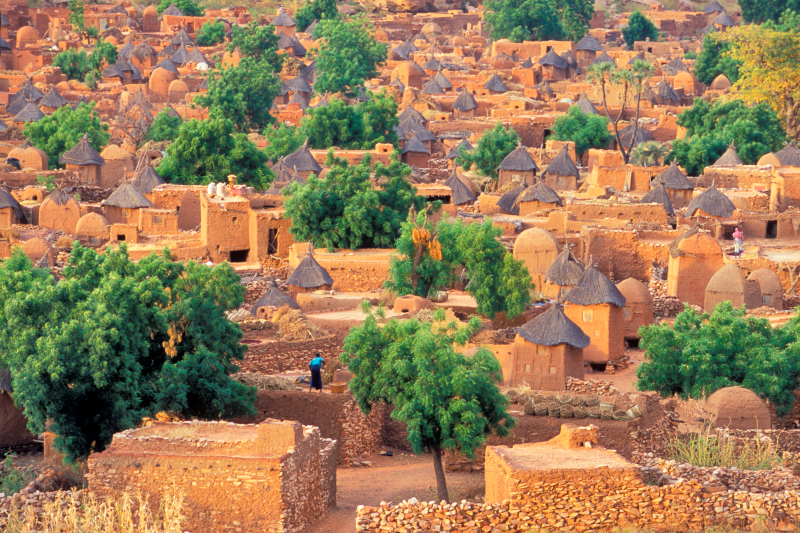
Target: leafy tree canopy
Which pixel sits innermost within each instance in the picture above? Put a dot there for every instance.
(243, 94)
(350, 127)
(715, 60)
(315, 10)
(164, 128)
(75, 9)
(348, 56)
(430, 259)
(258, 42)
(345, 211)
(701, 354)
(539, 20)
(116, 340)
(755, 130)
(209, 150)
(639, 28)
(769, 71)
(766, 10)
(73, 64)
(83, 67)
(492, 148)
(448, 401)
(584, 129)
(211, 33)
(61, 131)
(190, 8)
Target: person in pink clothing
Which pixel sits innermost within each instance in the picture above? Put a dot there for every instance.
(737, 242)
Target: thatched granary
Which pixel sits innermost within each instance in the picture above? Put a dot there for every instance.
(458, 150)
(586, 50)
(738, 408)
(554, 67)
(29, 156)
(518, 165)
(27, 93)
(711, 203)
(271, 300)
(411, 113)
(562, 274)
(60, 211)
(632, 136)
(562, 174)
(508, 202)
(465, 105)
(415, 153)
(147, 180)
(548, 350)
(585, 105)
(789, 156)
(638, 310)
(123, 206)
(597, 308)
(84, 160)
(537, 248)
(677, 185)
(495, 85)
(659, 195)
(694, 258)
(729, 159)
(713, 8)
(309, 276)
(538, 197)
(51, 101)
(303, 161)
(730, 285)
(771, 287)
(11, 211)
(29, 113)
(460, 193)
(118, 163)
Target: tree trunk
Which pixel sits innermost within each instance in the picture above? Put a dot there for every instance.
(441, 482)
(626, 156)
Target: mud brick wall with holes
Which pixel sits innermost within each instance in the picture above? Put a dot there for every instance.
(277, 476)
(287, 356)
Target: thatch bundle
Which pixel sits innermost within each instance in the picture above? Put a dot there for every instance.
(294, 326)
(262, 382)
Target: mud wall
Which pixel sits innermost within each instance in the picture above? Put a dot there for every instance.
(285, 356)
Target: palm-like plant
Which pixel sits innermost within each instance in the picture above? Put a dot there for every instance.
(650, 153)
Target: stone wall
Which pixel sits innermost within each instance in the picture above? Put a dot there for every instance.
(277, 476)
(285, 356)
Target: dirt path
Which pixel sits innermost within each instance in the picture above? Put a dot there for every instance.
(391, 479)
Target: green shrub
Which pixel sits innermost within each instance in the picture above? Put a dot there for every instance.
(711, 450)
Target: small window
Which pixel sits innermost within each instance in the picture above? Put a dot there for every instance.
(235, 219)
(123, 213)
(559, 181)
(626, 313)
(272, 241)
(94, 241)
(766, 298)
(121, 238)
(541, 350)
(588, 316)
(158, 219)
(597, 333)
(527, 368)
(552, 370)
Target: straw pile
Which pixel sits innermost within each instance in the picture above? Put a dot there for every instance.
(262, 382)
(294, 326)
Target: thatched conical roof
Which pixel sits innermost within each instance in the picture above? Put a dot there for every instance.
(411, 113)
(589, 44)
(712, 202)
(552, 59)
(298, 98)
(465, 101)
(495, 84)
(544, 88)
(126, 197)
(414, 145)
(566, 270)
(723, 19)
(60, 197)
(563, 165)
(713, 7)
(273, 298)
(455, 152)
(553, 328)
(673, 67)
(519, 160)
(508, 202)
(585, 105)
(658, 195)
(172, 11)
(789, 156)
(182, 38)
(626, 134)
(729, 159)
(595, 288)
(539, 192)
(82, 154)
(431, 87)
(283, 19)
(442, 80)
(53, 99)
(673, 178)
(415, 128)
(460, 192)
(665, 92)
(147, 180)
(6, 201)
(309, 274)
(29, 113)
(604, 58)
(302, 160)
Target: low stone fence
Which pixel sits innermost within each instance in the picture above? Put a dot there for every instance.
(282, 356)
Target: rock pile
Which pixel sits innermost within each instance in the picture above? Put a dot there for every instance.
(591, 386)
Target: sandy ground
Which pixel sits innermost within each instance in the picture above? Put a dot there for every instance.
(391, 479)
(624, 379)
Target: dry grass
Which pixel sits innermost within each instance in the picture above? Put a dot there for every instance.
(294, 326)
(262, 382)
(127, 513)
(708, 449)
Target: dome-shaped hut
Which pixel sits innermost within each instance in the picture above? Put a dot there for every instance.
(771, 287)
(738, 408)
(60, 211)
(29, 156)
(92, 230)
(537, 248)
(730, 285)
(638, 310)
(694, 258)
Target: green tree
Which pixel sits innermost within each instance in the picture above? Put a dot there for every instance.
(282, 141)
(115, 340)
(315, 10)
(492, 148)
(209, 150)
(447, 401)
(61, 131)
(74, 65)
(244, 93)
(429, 259)
(75, 8)
(358, 127)
(525, 20)
(258, 42)
(190, 8)
(715, 60)
(211, 33)
(639, 28)
(348, 56)
(345, 211)
(632, 82)
(584, 129)
(766, 10)
(650, 153)
(700, 354)
(575, 17)
(710, 129)
(165, 127)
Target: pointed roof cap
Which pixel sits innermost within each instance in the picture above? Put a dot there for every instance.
(413, 114)
(431, 87)
(442, 80)
(595, 288)
(302, 160)
(298, 98)
(604, 58)
(460, 192)
(309, 273)
(586, 105)
(172, 11)
(455, 152)
(273, 297)
(29, 113)
(789, 155)
(6, 201)
(673, 67)
(508, 202)
(729, 159)
(723, 19)
(82, 154)
(53, 99)
(539, 192)
(283, 19)
(553, 328)
(565, 270)
(182, 38)
(713, 7)
(414, 145)
(432, 64)
(126, 197)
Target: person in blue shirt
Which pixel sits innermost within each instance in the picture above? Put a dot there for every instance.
(316, 366)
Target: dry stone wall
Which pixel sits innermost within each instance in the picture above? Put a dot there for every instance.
(286, 356)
